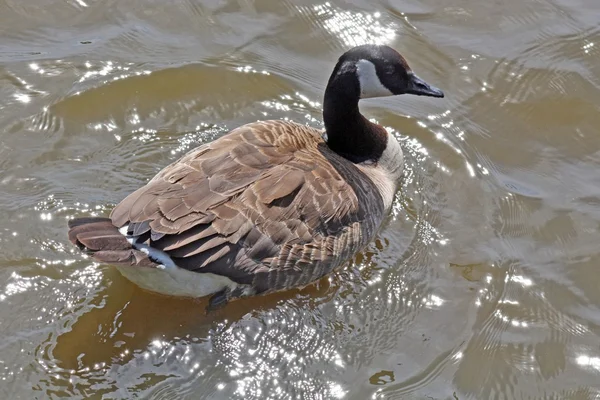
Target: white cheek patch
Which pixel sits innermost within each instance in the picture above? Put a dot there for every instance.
(370, 85)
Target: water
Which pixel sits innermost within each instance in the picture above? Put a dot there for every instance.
(483, 284)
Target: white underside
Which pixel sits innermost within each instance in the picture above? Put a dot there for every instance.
(168, 278)
(175, 281)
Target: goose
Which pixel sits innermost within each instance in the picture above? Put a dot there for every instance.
(271, 205)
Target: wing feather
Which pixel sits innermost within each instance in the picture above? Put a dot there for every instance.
(264, 199)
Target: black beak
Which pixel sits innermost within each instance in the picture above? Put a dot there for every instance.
(419, 87)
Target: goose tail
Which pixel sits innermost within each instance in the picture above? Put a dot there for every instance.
(102, 240)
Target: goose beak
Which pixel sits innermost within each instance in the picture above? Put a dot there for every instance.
(419, 87)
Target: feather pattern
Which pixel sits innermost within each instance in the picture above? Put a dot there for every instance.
(267, 205)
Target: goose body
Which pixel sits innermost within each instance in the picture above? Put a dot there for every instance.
(269, 206)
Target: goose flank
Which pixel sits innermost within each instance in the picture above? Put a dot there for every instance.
(269, 206)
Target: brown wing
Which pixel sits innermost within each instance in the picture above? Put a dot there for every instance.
(265, 205)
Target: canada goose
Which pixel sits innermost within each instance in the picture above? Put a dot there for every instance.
(269, 206)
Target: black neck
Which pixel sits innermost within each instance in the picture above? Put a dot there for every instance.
(349, 133)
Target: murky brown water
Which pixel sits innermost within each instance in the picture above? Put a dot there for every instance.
(483, 284)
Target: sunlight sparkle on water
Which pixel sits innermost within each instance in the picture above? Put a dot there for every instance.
(46, 216)
(433, 301)
(36, 68)
(355, 28)
(587, 361)
(525, 282)
(470, 169)
(22, 97)
(337, 391)
(135, 118)
(248, 69)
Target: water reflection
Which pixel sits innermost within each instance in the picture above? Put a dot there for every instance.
(244, 342)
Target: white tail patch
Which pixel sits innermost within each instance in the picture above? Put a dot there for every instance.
(370, 85)
(179, 282)
(167, 278)
(156, 255)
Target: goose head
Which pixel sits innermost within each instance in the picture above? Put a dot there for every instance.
(377, 71)
(363, 72)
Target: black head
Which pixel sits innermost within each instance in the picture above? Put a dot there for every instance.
(377, 71)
